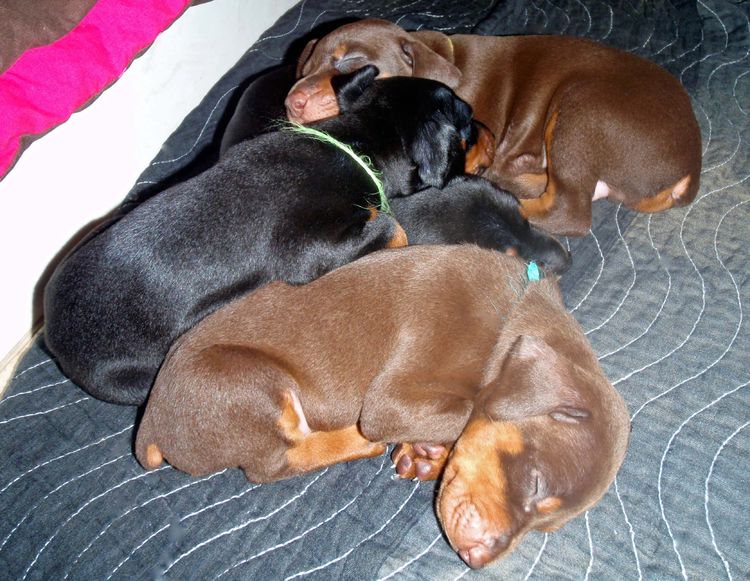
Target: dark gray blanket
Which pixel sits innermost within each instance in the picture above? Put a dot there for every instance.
(662, 299)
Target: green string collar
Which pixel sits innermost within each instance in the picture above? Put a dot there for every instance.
(364, 162)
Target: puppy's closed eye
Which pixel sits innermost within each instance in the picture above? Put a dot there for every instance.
(407, 53)
(349, 63)
(570, 415)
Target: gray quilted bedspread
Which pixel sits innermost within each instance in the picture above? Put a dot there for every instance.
(662, 299)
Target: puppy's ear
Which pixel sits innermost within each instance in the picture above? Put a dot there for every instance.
(434, 147)
(535, 380)
(428, 63)
(437, 149)
(348, 88)
(304, 55)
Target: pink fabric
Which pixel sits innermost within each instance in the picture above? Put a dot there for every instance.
(46, 85)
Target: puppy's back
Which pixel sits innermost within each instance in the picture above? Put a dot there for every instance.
(217, 398)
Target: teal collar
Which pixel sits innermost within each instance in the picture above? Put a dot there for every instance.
(533, 273)
(363, 161)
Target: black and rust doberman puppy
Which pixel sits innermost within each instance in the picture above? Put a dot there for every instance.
(480, 374)
(283, 206)
(467, 209)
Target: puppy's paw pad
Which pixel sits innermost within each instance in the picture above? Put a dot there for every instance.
(431, 451)
(423, 461)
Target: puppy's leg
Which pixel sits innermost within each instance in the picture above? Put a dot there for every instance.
(400, 408)
(525, 185)
(677, 195)
(311, 450)
(423, 416)
(564, 207)
(253, 420)
(234, 426)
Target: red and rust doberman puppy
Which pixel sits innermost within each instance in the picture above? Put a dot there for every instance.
(574, 120)
(480, 375)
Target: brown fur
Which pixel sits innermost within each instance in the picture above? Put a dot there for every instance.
(444, 346)
(621, 120)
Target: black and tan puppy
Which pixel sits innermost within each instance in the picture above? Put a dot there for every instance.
(473, 209)
(282, 206)
(443, 347)
(466, 209)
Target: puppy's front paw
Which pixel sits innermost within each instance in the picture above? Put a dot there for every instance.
(423, 461)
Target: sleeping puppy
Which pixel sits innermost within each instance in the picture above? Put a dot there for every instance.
(439, 348)
(575, 120)
(466, 209)
(474, 210)
(283, 206)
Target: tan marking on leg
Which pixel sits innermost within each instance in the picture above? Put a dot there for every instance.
(680, 189)
(532, 185)
(320, 449)
(315, 450)
(541, 206)
(290, 422)
(552, 528)
(665, 199)
(399, 237)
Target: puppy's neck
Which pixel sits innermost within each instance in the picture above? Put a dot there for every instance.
(380, 143)
(362, 161)
(537, 305)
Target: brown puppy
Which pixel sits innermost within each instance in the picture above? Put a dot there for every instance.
(437, 344)
(574, 120)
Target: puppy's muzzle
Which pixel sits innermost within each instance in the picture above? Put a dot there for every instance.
(311, 99)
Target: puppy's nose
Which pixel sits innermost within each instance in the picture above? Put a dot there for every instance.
(295, 103)
(484, 551)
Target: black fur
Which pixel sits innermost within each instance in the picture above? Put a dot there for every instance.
(469, 209)
(474, 210)
(281, 206)
(260, 108)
